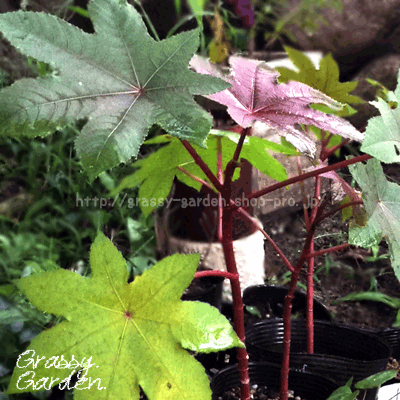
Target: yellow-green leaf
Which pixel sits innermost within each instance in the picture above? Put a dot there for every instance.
(122, 336)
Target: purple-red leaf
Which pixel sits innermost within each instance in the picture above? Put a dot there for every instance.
(244, 11)
(255, 95)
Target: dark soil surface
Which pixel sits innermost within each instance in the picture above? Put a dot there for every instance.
(257, 393)
(337, 274)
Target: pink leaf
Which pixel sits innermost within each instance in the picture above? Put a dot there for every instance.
(255, 95)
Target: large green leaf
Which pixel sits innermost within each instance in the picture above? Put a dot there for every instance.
(132, 334)
(381, 200)
(119, 78)
(157, 172)
(382, 136)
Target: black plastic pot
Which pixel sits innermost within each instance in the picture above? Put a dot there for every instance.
(304, 384)
(392, 337)
(271, 300)
(207, 290)
(340, 352)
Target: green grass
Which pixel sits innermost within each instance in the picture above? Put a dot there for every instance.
(43, 213)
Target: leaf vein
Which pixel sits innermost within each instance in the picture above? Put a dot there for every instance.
(167, 60)
(116, 127)
(69, 99)
(129, 55)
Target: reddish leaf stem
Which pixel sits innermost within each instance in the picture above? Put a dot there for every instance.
(341, 207)
(227, 245)
(289, 266)
(234, 163)
(307, 175)
(325, 153)
(332, 249)
(303, 194)
(242, 211)
(310, 303)
(325, 139)
(221, 180)
(310, 271)
(194, 177)
(287, 334)
(242, 356)
(288, 310)
(204, 167)
(216, 272)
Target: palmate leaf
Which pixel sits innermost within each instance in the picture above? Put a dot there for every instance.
(325, 78)
(119, 78)
(381, 200)
(256, 96)
(157, 172)
(134, 334)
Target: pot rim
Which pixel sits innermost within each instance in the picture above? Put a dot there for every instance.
(295, 376)
(255, 336)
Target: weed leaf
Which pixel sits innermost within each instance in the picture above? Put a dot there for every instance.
(376, 380)
(134, 334)
(344, 392)
(119, 78)
(372, 296)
